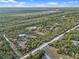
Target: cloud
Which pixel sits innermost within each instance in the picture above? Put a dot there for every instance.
(25, 4)
(48, 4)
(71, 2)
(52, 3)
(6, 1)
(31, 0)
(20, 4)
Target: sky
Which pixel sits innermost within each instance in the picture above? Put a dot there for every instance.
(39, 3)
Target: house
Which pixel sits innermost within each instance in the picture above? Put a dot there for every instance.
(32, 28)
(22, 35)
(74, 42)
(39, 33)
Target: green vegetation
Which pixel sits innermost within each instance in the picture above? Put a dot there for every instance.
(66, 46)
(50, 26)
(5, 50)
(29, 31)
(37, 55)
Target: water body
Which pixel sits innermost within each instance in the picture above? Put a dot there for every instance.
(24, 10)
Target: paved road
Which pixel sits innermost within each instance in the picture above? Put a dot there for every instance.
(45, 44)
